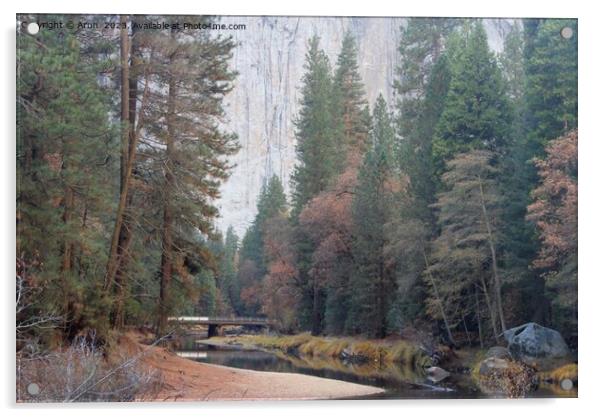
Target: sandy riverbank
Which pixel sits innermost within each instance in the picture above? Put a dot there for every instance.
(187, 380)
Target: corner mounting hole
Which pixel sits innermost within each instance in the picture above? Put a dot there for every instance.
(566, 32)
(33, 28)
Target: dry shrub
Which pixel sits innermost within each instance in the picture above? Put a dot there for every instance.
(403, 352)
(368, 350)
(81, 373)
(335, 348)
(560, 374)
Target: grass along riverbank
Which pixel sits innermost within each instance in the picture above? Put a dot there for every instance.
(353, 350)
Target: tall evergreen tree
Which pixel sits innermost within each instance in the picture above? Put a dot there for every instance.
(554, 211)
(465, 257)
(65, 146)
(551, 72)
(326, 218)
(318, 162)
(374, 205)
(316, 148)
(422, 85)
(229, 284)
(185, 144)
(476, 114)
(349, 99)
(271, 203)
(422, 43)
(518, 240)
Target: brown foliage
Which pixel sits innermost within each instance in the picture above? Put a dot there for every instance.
(554, 209)
(328, 221)
(279, 291)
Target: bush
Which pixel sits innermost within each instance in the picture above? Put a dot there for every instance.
(82, 373)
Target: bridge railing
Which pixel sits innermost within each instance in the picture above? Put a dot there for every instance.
(241, 320)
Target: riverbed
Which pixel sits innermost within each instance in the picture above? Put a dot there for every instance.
(397, 381)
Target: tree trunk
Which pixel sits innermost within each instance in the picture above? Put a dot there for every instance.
(491, 310)
(126, 232)
(125, 91)
(166, 269)
(113, 261)
(167, 256)
(478, 307)
(125, 159)
(496, 279)
(117, 314)
(381, 305)
(439, 301)
(67, 262)
(316, 326)
(466, 331)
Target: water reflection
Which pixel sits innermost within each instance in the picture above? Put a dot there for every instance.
(192, 354)
(398, 381)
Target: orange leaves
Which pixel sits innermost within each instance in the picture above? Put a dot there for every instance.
(330, 211)
(554, 209)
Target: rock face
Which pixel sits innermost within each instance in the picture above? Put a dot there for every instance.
(531, 341)
(264, 103)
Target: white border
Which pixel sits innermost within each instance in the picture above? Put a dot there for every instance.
(590, 190)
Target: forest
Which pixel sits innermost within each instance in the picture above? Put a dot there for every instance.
(452, 209)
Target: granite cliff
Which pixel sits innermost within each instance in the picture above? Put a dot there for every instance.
(269, 59)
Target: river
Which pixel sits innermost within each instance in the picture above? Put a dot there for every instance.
(399, 382)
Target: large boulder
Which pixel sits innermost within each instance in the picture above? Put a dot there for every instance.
(531, 341)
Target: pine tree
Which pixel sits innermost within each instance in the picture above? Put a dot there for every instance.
(65, 145)
(374, 205)
(318, 163)
(545, 109)
(192, 77)
(422, 44)
(279, 292)
(512, 64)
(551, 72)
(326, 218)
(518, 243)
(554, 211)
(476, 114)
(465, 255)
(349, 101)
(416, 150)
(229, 284)
(271, 203)
(316, 149)
(423, 82)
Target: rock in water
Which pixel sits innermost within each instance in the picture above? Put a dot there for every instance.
(505, 377)
(531, 341)
(436, 374)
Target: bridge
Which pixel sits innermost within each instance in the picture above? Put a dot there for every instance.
(214, 324)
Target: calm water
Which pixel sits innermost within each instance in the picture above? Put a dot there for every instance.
(399, 382)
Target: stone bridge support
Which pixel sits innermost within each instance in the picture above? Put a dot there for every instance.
(215, 330)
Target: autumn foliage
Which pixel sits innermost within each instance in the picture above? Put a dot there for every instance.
(554, 209)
